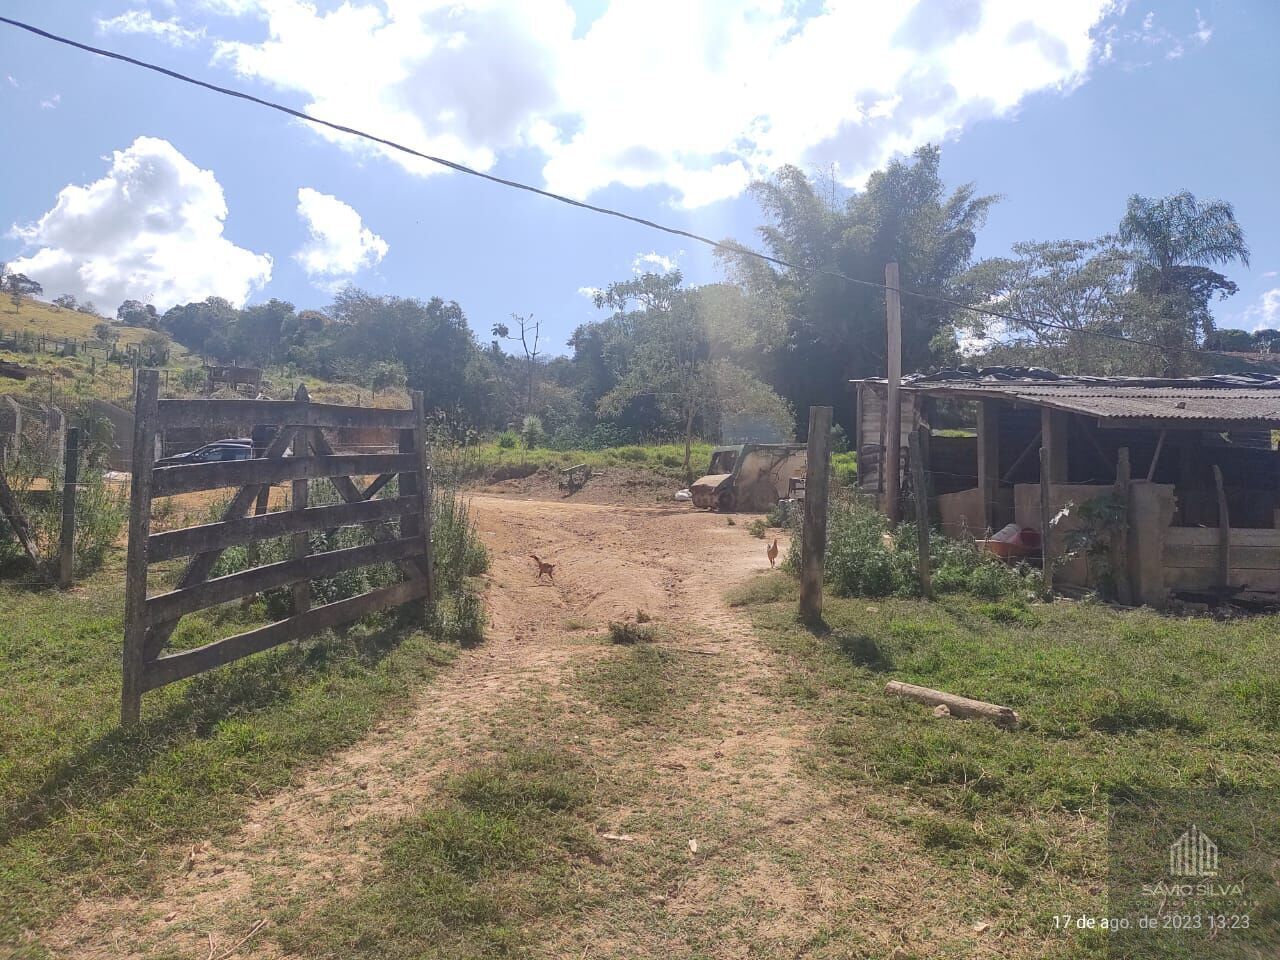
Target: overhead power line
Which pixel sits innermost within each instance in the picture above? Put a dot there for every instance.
(732, 248)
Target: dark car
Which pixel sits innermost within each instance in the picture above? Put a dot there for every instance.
(236, 448)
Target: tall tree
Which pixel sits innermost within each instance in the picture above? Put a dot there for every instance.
(1173, 244)
(528, 337)
(1069, 296)
(833, 330)
(18, 286)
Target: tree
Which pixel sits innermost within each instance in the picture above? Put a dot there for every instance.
(204, 326)
(1069, 296)
(66, 301)
(820, 330)
(257, 330)
(103, 332)
(672, 366)
(1173, 243)
(1234, 341)
(18, 286)
(530, 331)
(135, 313)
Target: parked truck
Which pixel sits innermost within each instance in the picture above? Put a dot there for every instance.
(751, 477)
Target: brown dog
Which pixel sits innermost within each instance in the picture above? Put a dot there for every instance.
(544, 568)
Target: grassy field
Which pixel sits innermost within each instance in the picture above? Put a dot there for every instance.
(1115, 705)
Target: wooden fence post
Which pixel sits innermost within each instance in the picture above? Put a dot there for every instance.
(1120, 544)
(1046, 552)
(892, 461)
(135, 583)
(922, 513)
(814, 537)
(70, 484)
(424, 489)
(1224, 531)
(300, 499)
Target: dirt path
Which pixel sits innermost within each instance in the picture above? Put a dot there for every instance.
(782, 866)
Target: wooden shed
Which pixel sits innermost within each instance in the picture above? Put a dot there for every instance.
(1203, 495)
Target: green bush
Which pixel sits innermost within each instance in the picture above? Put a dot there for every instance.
(758, 527)
(508, 440)
(864, 560)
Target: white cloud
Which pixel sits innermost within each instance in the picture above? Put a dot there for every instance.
(142, 22)
(150, 230)
(13, 82)
(51, 103)
(590, 292)
(654, 262)
(340, 243)
(1269, 273)
(1265, 313)
(698, 98)
(1203, 31)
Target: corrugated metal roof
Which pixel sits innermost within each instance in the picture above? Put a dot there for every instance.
(1216, 403)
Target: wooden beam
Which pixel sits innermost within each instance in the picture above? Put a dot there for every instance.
(1120, 539)
(1054, 425)
(249, 413)
(135, 571)
(189, 478)
(187, 663)
(921, 492)
(70, 485)
(200, 566)
(1224, 531)
(299, 499)
(813, 546)
(178, 603)
(232, 533)
(1155, 457)
(893, 441)
(419, 436)
(988, 458)
(957, 706)
(1046, 528)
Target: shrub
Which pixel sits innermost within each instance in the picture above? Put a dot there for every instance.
(626, 633)
(462, 619)
(458, 551)
(508, 440)
(758, 527)
(531, 432)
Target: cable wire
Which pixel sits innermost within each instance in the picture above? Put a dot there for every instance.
(732, 248)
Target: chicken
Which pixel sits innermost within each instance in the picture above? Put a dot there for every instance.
(544, 569)
(771, 551)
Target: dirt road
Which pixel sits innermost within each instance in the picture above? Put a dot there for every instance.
(778, 865)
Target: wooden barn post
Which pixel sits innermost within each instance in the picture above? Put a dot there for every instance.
(135, 573)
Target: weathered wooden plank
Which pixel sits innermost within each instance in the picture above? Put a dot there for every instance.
(1224, 530)
(187, 663)
(219, 536)
(248, 413)
(348, 490)
(375, 488)
(135, 571)
(201, 564)
(210, 476)
(70, 486)
(922, 515)
(177, 603)
(419, 439)
(300, 499)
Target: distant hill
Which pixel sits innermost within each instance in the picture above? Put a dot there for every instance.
(48, 320)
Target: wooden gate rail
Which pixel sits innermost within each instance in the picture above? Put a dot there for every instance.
(298, 453)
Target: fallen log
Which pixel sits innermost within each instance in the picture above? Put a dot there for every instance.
(957, 706)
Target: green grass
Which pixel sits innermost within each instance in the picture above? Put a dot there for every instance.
(472, 874)
(85, 807)
(1113, 704)
(489, 459)
(638, 686)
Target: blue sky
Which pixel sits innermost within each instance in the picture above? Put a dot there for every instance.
(119, 182)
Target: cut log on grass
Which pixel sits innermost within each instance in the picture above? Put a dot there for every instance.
(958, 706)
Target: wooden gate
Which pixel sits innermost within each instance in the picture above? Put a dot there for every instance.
(298, 452)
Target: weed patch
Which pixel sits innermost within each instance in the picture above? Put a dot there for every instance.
(472, 875)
